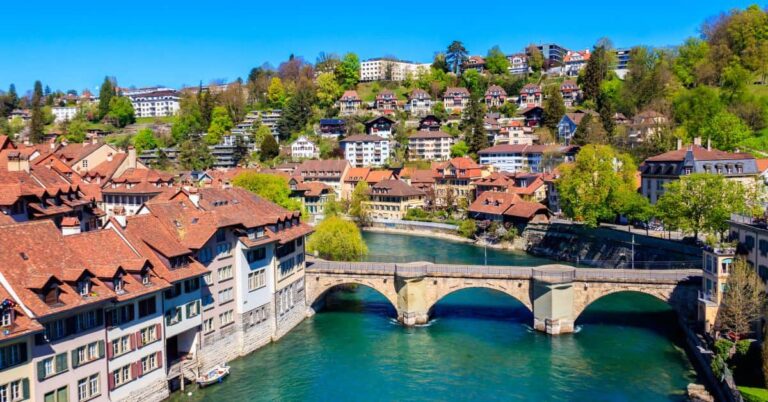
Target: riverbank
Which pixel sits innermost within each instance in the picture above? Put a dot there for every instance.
(421, 233)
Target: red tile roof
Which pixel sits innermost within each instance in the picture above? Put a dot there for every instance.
(699, 153)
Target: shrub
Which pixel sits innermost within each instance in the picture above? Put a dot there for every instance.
(467, 228)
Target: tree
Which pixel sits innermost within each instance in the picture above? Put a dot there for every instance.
(194, 154)
(496, 61)
(589, 131)
(297, 112)
(594, 73)
(348, 71)
(439, 62)
(121, 111)
(467, 228)
(337, 239)
(701, 203)
(221, 123)
(76, 130)
(332, 207)
(357, 206)
(692, 108)
(459, 149)
(535, 58)
(455, 56)
(690, 65)
(105, 97)
(268, 148)
(189, 119)
(474, 128)
(270, 187)
(328, 90)
(726, 130)
(743, 299)
(327, 62)
(276, 93)
(591, 188)
(635, 207)
(554, 108)
(144, 139)
(37, 120)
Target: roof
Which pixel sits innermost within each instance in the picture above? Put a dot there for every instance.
(495, 88)
(313, 188)
(375, 176)
(509, 204)
(375, 119)
(526, 149)
(429, 134)
(418, 93)
(394, 188)
(699, 153)
(452, 91)
(363, 138)
(356, 174)
(350, 95)
(322, 167)
(762, 164)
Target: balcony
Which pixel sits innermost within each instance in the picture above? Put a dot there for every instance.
(708, 297)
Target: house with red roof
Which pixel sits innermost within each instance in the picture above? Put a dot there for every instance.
(386, 102)
(507, 209)
(453, 180)
(455, 100)
(349, 103)
(530, 96)
(419, 103)
(570, 92)
(495, 96)
(391, 199)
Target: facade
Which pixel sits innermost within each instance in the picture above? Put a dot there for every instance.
(570, 92)
(567, 126)
(575, 61)
(430, 145)
(386, 102)
(717, 268)
(622, 58)
(530, 96)
(381, 126)
(518, 63)
(365, 150)
(646, 124)
(313, 197)
(419, 103)
(429, 123)
(454, 181)
(476, 63)
(657, 171)
(384, 69)
(526, 158)
(125, 194)
(332, 128)
(329, 171)
(267, 118)
(508, 209)
(161, 103)
(495, 96)
(391, 199)
(349, 103)
(64, 113)
(303, 148)
(553, 54)
(513, 131)
(455, 100)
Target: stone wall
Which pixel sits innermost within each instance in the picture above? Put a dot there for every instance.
(154, 392)
(291, 318)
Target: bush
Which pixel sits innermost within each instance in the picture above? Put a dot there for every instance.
(723, 348)
(337, 239)
(467, 228)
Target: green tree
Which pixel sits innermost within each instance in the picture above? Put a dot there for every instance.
(693, 108)
(554, 107)
(459, 149)
(439, 63)
(297, 112)
(144, 139)
(535, 58)
(328, 90)
(269, 148)
(194, 154)
(357, 206)
(348, 71)
(189, 120)
(726, 130)
(455, 56)
(270, 187)
(690, 65)
(634, 206)
(474, 129)
(121, 111)
(105, 97)
(589, 131)
(701, 203)
(76, 129)
(467, 228)
(37, 122)
(734, 80)
(332, 207)
(221, 123)
(594, 73)
(276, 93)
(592, 188)
(743, 300)
(438, 110)
(496, 61)
(337, 239)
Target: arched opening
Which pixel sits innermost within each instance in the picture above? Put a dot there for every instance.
(480, 303)
(630, 309)
(354, 298)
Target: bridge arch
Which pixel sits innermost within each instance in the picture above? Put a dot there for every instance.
(586, 294)
(318, 286)
(516, 289)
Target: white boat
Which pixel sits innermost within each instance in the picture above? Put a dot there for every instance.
(213, 376)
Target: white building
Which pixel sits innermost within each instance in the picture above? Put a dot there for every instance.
(430, 145)
(64, 113)
(391, 69)
(365, 150)
(303, 148)
(155, 104)
(525, 158)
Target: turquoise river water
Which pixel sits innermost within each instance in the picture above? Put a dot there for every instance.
(479, 346)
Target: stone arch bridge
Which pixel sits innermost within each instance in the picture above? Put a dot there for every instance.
(556, 294)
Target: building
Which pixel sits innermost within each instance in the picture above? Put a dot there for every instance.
(528, 186)
(513, 131)
(476, 63)
(125, 194)
(303, 148)
(622, 58)
(328, 171)
(388, 69)
(268, 118)
(365, 150)
(64, 113)
(526, 158)
(429, 123)
(391, 199)
(553, 54)
(533, 116)
(454, 180)
(420, 103)
(530, 96)
(349, 103)
(455, 100)
(313, 196)
(646, 124)
(386, 102)
(332, 128)
(567, 126)
(507, 209)
(657, 171)
(160, 103)
(495, 96)
(518, 64)
(575, 61)
(430, 145)
(717, 268)
(381, 126)
(570, 92)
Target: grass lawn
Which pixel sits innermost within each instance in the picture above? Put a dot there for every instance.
(366, 93)
(758, 90)
(754, 394)
(150, 120)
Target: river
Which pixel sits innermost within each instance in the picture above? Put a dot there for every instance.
(479, 346)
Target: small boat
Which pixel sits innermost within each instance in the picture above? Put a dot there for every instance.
(213, 376)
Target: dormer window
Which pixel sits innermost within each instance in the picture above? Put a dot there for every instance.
(7, 318)
(51, 296)
(145, 278)
(84, 286)
(117, 283)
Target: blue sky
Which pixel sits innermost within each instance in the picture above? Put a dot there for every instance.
(73, 45)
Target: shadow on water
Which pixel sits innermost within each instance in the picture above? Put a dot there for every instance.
(481, 304)
(633, 310)
(358, 299)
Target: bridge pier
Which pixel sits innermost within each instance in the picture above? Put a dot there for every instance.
(412, 305)
(553, 299)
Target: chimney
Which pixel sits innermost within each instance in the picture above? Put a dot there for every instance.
(109, 157)
(194, 196)
(131, 157)
(697, 141)
(709, 144)
(53, 145)
(679, 143)
(95, 140)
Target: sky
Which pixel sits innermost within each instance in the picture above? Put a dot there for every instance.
(75, 44)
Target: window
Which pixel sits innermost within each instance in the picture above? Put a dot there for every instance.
(191, 285)
(173, 316)
(226, 318)
(221, 235)
(52, 366)
(120, 315)
(225, 273)
(223, 249)
(117, 284)
(256, 254)
(149, 334)
(207, 301)
(121, 376)
(204, 255)
(121, 345)
(193, 309)
(207, 325)
(87, 353)
(88, 388)
(7, 318)
(226, 295)
(257, 280)
(60, 395)
(147, 307)
(84, 286)
(208, 278)
(146, 278)
(173, 292)
(149, 363)
(13, 355)
(14, 391)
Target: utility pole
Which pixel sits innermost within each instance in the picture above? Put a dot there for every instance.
(633, 251)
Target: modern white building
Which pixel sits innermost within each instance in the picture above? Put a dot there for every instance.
(303, 148)
(365, 150)
(379, 69)
(161, 103)
(525, 158)
(64, 113)
(430, 145)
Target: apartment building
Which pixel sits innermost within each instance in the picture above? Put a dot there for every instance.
(518, 64)
(570, 92)
(386, 69)
(454, 180)
(455, 100)
(64, 113)
(329, 171)
(430, 145)
(391, 199)
(526, 158)
(125, 194)
(161, 103)
(303, 148)
(365, 150)
(419, 103)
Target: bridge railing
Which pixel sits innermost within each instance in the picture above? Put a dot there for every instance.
(650, 275)
(450, 269)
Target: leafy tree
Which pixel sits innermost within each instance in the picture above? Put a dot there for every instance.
(357, 207)
(594, 73)
(592, 188)
(348, 71)
(692, 61)
(76, 130)
(220, 125)
(270, 187)
(535, 58)
(337, 239)
(438, 110)
(474, 82)
(496, 61)
(635, 207)
(455, 56)
(734, 80)
(459, 149)
(701, 203)
(105, 97)
(743, 299)
(144, 139)
(189, 120)
(467, 228)
(121, 111)
(328, 90)
(439, 62)
(332, 207)
(606, 110)
(589, 131)
(206, 102)
(269, 148)
(276, 95)
(36, 122)
(726, 130)
(327, 62)
(474, 129)
(693, 108)
(554, 107)
(194, 154)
